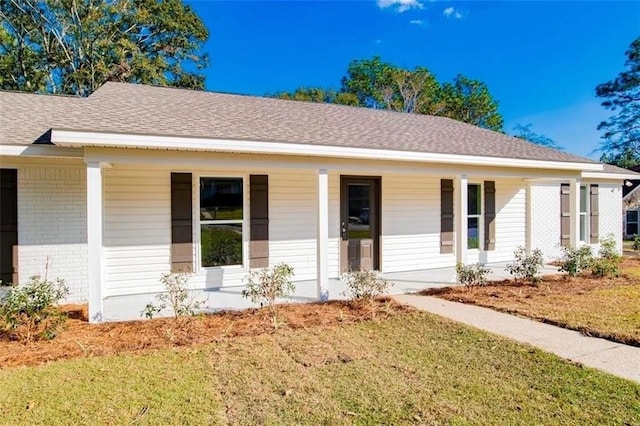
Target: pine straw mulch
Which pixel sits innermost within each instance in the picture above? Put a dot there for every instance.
(600, 307)
(81, 339)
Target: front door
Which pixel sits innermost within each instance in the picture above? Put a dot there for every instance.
(359, 222)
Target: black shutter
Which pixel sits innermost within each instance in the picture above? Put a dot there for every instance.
(489, 215)
(446, 216)
(9, 226)
(259, 221)
(594, 214)
(181, 222)
(565, 215)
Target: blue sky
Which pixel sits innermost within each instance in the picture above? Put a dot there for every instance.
(541, 60)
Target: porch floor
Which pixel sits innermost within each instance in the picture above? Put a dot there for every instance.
(403, 282)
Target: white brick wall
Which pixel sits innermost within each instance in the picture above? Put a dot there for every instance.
(545, 215)
(545, 219)
(52, 211)
(610, 200)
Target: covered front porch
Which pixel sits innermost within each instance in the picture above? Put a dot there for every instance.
(403, 283)
(421, 221)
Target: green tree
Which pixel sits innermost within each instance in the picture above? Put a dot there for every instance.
(373, 83)
(74, 46)
(525, 132)
(470, 101)
(621, 138)
(315, 94)
(378, 84)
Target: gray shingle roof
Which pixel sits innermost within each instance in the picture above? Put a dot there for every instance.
(148, 110)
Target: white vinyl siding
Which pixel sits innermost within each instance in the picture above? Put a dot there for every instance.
(292, 221)
(137, 229)
(411, 224)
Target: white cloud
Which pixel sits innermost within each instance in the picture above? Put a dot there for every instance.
(418, 22)
(400, 6)
(451, 12)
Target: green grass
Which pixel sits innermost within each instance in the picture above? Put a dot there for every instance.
(413, 368)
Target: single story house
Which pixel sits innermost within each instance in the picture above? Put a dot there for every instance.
(135, 181)
(631, 205)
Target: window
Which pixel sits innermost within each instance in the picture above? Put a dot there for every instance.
(474, 215)
(221, 214)
(584, 217)
(632, 222)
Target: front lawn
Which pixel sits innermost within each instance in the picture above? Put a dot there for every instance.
(603, 307)
(411, 368)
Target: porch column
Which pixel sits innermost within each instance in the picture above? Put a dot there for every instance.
(322, 241)
(460, 212)
(94, 240)
(529, 218)
(574, 190)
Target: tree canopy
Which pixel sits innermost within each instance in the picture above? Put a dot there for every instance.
(621, 139)
(74, 46)
(374, 83)
(525, 132)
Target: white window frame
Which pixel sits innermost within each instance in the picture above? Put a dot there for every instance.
(479, 216)
(245, 221)
(585, 214)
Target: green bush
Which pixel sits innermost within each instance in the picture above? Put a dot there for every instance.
(608, 264)
(472, 275)
(608, 248)
(364, 285)
(176, 296)
(603, 267)
(636, 242)
(526, 267)
(265, 285)
(574, 260)
(30, 312)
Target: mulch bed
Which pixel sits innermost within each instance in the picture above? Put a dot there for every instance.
(509, 297)
(81, 339)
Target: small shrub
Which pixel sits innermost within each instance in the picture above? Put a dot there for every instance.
(365, 285)
(608, 264)
(30, 312)
(636, 242)
(472, 275)
(265, 285)
(603, 267)
(176, 297)
(608, 248)
(526, 267)
(575, 260)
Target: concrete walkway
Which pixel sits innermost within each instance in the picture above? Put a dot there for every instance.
(614, 358)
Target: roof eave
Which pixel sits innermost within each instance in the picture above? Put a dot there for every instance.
(75, 138)
(609, 176)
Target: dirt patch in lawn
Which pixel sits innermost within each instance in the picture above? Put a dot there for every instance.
(80, 339)
(601, 307)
